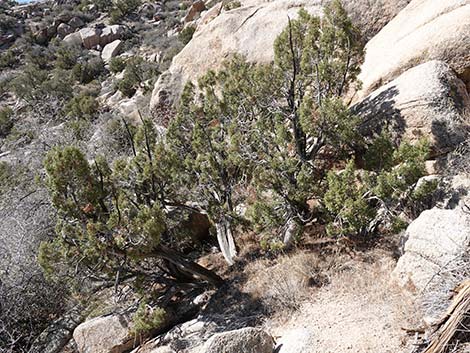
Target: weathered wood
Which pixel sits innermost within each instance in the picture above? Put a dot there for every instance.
(448, 326)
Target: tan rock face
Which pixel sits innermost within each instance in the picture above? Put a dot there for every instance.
(428, 100)
(425, 30)
(435, 240)
(106, 334)
(111, 50)
(248, 30)
(90, 37)
(195, 9)
(246, 340)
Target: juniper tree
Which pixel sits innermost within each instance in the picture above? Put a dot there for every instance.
(115, 222)
(206, 137)
(307, 128)
(379, 195)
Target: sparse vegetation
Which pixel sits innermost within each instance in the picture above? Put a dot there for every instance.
(117, 64)
(147, 318)
(186, 34)
(89, 70)
(136, 73)
(6, 122)
(264, 159)
(83, 106)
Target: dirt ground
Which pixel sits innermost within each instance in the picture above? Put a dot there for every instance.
(360, 310)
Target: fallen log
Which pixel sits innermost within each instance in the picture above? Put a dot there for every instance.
(452, 322)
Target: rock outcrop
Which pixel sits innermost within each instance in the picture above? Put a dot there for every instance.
(428, 100)
(111, 50)
(296, 340)
(425, 30)
(246, 340)
(90, 37)
(104, 334)
(248, 30)
(436, 239)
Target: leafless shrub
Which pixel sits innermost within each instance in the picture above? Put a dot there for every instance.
(283, 287)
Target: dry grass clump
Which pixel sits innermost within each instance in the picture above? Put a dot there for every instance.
(283, 285)
(360, 310)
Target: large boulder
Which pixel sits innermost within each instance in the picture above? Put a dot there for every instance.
(425, 30)
(110, 50)
(250, 30)
(371, 16)
(247, 30)
(74, 39)
(246, 340)
(428, 100)
(196, 8)
(105, 334)
(111, 33)
(64, 29)
(90, 37)
(436, 240)
(296, 340)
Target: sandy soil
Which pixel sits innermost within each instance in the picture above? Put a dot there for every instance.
(361, 310)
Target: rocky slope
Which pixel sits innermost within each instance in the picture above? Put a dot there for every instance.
(415, 81)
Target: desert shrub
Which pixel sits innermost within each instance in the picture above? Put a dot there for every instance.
(186, 34)
(147, 318)
(232, 5)
(82, 106)
(6, 22)
(5, 175)
(119, 134)
(122, 9)
(8, 59)
(39, 56)
(66, 56)
(136, 73)
(6, 122)
(117, 64)
(360, 201)
(87, 71)
(28, 83)
(114, 217)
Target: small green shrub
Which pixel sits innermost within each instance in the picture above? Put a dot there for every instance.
(83, 106)
(123, 8)
(136, 73)
(88, 71)
(147, 318)
(354, 197)
(78, 129)
(117, 64)
(232, 5)
(8, 59)
(66, 57)
(186, 34)
(5, 121)
(5, 176)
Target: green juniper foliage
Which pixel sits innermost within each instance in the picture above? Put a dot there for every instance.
(113, 221)
(206, 137)
(307, 128)
(277, 137)
(360, 201)
(147, 318)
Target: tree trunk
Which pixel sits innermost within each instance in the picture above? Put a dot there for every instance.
(225, 239)
(291, 230)
(188, 266)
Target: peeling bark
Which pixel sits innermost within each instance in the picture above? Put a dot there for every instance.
(226, 241)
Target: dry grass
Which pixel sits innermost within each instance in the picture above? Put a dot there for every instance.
(285, 284)
(348, 303)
